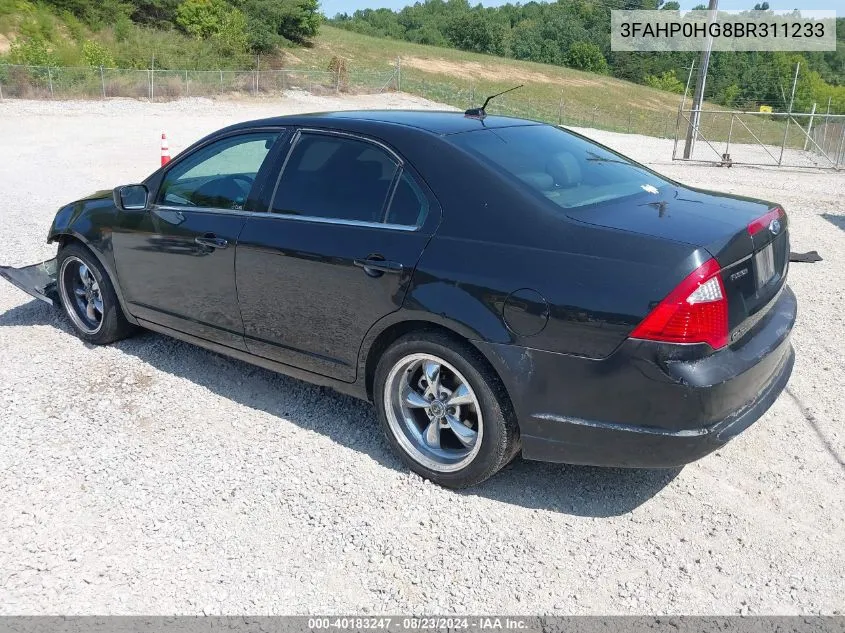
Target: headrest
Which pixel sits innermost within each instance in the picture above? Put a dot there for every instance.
(538, 180)
(565, 170)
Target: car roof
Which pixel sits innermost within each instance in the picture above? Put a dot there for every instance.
(434, 121)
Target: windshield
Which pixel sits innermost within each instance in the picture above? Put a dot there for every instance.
(568, 170)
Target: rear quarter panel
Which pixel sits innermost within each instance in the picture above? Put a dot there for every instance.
(587, 297)
(497, 238)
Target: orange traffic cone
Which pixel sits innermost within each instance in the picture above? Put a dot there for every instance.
(165, 150)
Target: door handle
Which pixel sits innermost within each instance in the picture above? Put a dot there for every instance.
(375, 267)
(211, 242)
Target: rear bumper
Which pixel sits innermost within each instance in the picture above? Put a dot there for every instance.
(641, 408)
(606, 444)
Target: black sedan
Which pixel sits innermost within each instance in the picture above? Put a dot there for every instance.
(495, 286)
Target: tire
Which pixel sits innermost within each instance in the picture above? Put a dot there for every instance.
(476, 433)
(82, 282)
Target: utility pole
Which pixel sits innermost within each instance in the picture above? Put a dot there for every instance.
(698, 97)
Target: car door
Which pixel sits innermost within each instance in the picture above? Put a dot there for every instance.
(347, 225)
(176, 259)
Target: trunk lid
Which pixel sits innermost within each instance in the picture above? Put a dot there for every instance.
(753, 266)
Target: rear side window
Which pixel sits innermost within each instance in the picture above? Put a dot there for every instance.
(409, 205)
(335, 177)
(568, 170)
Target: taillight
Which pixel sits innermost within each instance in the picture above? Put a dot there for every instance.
(763, 222)
(694, 312)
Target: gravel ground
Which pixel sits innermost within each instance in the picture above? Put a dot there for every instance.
(155, 477)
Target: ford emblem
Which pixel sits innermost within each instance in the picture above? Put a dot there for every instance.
(774, 227)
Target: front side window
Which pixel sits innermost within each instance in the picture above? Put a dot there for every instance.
(335, 177)
(566, 169)
(218, 176)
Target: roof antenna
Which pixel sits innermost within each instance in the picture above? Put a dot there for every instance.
(480, 112)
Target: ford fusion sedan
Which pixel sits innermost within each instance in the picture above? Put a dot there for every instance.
(495, 286)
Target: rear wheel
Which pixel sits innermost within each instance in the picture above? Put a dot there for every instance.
(89, 298)
(443, 410)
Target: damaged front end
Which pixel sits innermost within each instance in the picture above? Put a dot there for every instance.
(38, 280)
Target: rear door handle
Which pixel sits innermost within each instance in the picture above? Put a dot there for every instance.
(211, 241)
(377, 267)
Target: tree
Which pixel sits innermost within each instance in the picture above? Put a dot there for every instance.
(667, 81)
(157, 13)
(527, 41)
(201, 18)
(293, 20)
(216, 20)
(96, 54)
(471, 31)
(586, 56)
(96, 13)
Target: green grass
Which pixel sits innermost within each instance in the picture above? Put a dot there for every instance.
(550, 93)
(463, 79)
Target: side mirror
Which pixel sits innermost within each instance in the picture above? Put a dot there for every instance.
(131, 197)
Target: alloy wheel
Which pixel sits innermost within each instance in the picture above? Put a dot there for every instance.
(433, 412)
(81, 295)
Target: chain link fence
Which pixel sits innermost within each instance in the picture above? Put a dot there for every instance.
(778, 139)
(47, 82)
(43, 82)
(828, 139)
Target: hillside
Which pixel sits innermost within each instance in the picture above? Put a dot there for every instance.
(551, 93)
(463, 79)
(39, 35)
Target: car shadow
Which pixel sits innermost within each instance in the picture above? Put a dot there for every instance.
(575, 490)
(835, 220)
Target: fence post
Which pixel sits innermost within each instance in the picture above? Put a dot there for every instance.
(221, 82)
(398, 74)
(810, 127)
(677, 131)
(50, 78)
(1, 92)
(187, 91)
(103, 81)
(730, 134)
(826, 124)
(560, 112)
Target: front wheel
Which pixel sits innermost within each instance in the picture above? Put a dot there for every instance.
(443, 410)
(88, 297)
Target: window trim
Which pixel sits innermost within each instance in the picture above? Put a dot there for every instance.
(290, 135)
(400, 168)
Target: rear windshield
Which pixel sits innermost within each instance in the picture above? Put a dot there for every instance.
(568, 170)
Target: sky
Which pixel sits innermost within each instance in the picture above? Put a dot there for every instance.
(332, 7)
